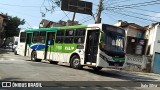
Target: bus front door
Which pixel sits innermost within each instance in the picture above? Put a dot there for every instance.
(92, 46)
(28, 41)
(49, 45)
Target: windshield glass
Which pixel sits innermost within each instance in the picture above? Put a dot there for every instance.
(113, 41)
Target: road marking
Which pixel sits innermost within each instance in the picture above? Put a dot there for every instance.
(2, 59)
(12, 59)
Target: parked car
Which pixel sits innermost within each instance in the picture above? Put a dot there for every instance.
(15, 50)
(14, 46)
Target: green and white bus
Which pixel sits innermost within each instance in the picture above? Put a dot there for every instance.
(94, 45)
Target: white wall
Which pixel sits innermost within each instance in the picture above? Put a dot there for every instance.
(157, 40)
(132, 32)
(153, 37)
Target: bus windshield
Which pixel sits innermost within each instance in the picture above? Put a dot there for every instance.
(113, 42)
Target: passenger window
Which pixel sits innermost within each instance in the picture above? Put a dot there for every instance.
(42, 37)
(60, 36)
(23, 37)
(35, 37)
(69, 37)
(79, 35)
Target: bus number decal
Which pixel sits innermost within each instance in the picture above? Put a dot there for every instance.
(69, 48)
(59, 47)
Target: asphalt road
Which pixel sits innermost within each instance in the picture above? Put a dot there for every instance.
(19, 68)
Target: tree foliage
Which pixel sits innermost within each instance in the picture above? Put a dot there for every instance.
(11, 28)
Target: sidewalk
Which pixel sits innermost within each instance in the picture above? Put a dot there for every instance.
(7, 49)
(2, 50)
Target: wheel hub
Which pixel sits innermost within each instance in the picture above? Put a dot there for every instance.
(76, 62)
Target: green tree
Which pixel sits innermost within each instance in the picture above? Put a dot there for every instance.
(11, 28)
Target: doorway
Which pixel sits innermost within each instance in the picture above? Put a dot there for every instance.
(92, 46)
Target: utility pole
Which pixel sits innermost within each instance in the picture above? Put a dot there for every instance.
(99, 10)
(73, 18)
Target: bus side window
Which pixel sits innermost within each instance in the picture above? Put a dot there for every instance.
(60, 36)
(23, 37)
(42, 37)
(69, 36)
(79, 35)
(35, 38)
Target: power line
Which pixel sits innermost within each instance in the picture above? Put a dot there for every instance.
(135, 5)
(142, 21)
(134, 16)
(109, 16)
(87, 20)
(20, 5)
(28, 24)
(19, 12)
(62, 11)
(119, 1)
(66, 15)
(145, 10)
(137, 13)
(86, 17)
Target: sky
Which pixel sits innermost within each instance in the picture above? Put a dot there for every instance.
(142, 12)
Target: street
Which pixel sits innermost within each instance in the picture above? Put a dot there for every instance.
(19, 68)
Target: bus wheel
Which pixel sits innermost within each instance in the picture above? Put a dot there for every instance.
(34, 57)
(97, 68)
(75, 62)
(15, 53)
(53, 62)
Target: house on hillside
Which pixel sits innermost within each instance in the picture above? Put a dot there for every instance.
(136, 44)
(2, 26)
(47, 23)
(153, 46)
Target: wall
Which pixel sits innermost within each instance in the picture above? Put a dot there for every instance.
(1, 22)
(153, 37)
(132, 32)
(157, 40)
(1, 29)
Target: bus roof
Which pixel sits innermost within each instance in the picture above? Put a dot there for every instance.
(54, 29)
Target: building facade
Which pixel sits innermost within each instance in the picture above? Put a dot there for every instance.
(153, 47)
(136, 44)
(47, 23)
(2, 28)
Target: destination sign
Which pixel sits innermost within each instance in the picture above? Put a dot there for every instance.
(114, 29)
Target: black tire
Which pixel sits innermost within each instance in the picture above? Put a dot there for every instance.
(75, 62)
(97, 68)
(34, 57)
(53, 62)
(15, 53)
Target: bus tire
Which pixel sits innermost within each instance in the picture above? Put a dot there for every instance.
(15, 53)
(53, 62)
(34, 56)
(97, 68)
(75, 62)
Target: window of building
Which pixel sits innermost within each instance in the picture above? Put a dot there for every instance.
(23, 37)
